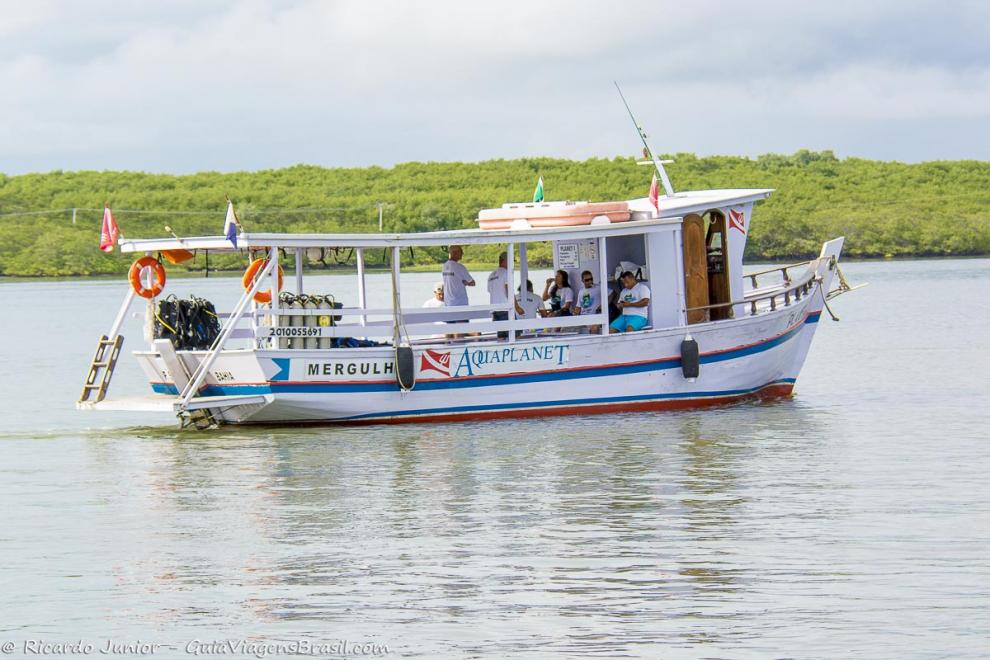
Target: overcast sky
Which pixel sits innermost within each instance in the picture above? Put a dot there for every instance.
(193, 85)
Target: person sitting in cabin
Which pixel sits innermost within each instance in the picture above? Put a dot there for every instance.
(455, 278)
(498, 291)
(558, 291)
(529, 305)
(437, 299)
(589, 298)
(633, 300)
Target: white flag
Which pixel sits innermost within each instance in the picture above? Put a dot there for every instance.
(230, 224)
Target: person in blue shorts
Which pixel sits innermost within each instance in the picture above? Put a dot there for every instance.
(633, 299)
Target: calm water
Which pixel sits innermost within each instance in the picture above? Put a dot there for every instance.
(853, 520)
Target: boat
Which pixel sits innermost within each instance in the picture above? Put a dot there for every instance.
(715, 334)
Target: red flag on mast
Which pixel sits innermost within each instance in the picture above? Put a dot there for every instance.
(655, 194)
(110, 232)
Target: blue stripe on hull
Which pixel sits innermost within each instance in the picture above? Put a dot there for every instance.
(571, 374)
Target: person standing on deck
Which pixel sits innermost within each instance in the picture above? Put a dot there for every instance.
(455, 278)
(498, 291)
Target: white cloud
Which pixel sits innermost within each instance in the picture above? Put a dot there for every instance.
(231, 85)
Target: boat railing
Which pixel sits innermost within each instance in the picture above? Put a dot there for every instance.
(415, 322)
(785, 276)
(199, 375)
(789, 291)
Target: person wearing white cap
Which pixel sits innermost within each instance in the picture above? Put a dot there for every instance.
(437, 299)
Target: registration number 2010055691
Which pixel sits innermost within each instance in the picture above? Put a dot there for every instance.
(293, 332)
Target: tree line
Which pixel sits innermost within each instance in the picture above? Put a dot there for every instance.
(884, 209)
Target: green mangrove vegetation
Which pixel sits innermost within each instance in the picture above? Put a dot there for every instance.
(884, 209)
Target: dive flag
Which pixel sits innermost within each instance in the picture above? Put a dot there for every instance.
(538, 193)
(436, 360)
(230, 224)
(655, 194)
(737, 220)
(110, 232)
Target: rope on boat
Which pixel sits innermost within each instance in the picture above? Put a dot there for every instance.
(825, 301)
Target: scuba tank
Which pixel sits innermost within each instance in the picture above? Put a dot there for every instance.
(285, 300)
(311, 302)
(297, 320)
(326, 302)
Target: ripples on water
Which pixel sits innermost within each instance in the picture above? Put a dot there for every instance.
(852, 520)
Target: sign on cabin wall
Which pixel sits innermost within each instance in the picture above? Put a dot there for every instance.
(588, 251)
(568, 257)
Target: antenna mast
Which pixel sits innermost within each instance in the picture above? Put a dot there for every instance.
(657, 163)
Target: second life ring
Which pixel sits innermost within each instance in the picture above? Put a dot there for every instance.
(248, 280)
(157, 273)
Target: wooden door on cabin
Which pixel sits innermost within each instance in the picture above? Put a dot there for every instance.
(695, 268)
(718, 272)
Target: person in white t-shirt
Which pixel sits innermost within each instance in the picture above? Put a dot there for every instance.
(529, 305)
(455, 278)
(633, 299)
(589, 298)
(498, 291)
(437, 299)
(559, 293)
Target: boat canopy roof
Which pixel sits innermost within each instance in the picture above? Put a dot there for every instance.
(247, 241)
(672, 209)
(699, 201)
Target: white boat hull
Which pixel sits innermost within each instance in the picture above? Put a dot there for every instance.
(750, 357)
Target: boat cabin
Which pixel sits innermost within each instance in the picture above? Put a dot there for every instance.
(690, 257)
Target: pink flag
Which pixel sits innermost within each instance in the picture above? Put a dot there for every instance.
(110, 233)
(655, 194)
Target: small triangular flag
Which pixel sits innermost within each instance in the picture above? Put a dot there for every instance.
(655, 194)
(110, 232)
(538, 193)
(230, 224)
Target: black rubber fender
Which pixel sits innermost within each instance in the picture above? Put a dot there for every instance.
(690, 358)
(405, 367)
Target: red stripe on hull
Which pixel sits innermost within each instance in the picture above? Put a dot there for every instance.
(773, 391)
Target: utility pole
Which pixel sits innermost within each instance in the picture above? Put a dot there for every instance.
(73, 216)
(380, 207)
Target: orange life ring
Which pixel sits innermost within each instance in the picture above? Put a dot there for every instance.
(157, 270)
(248, 280)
